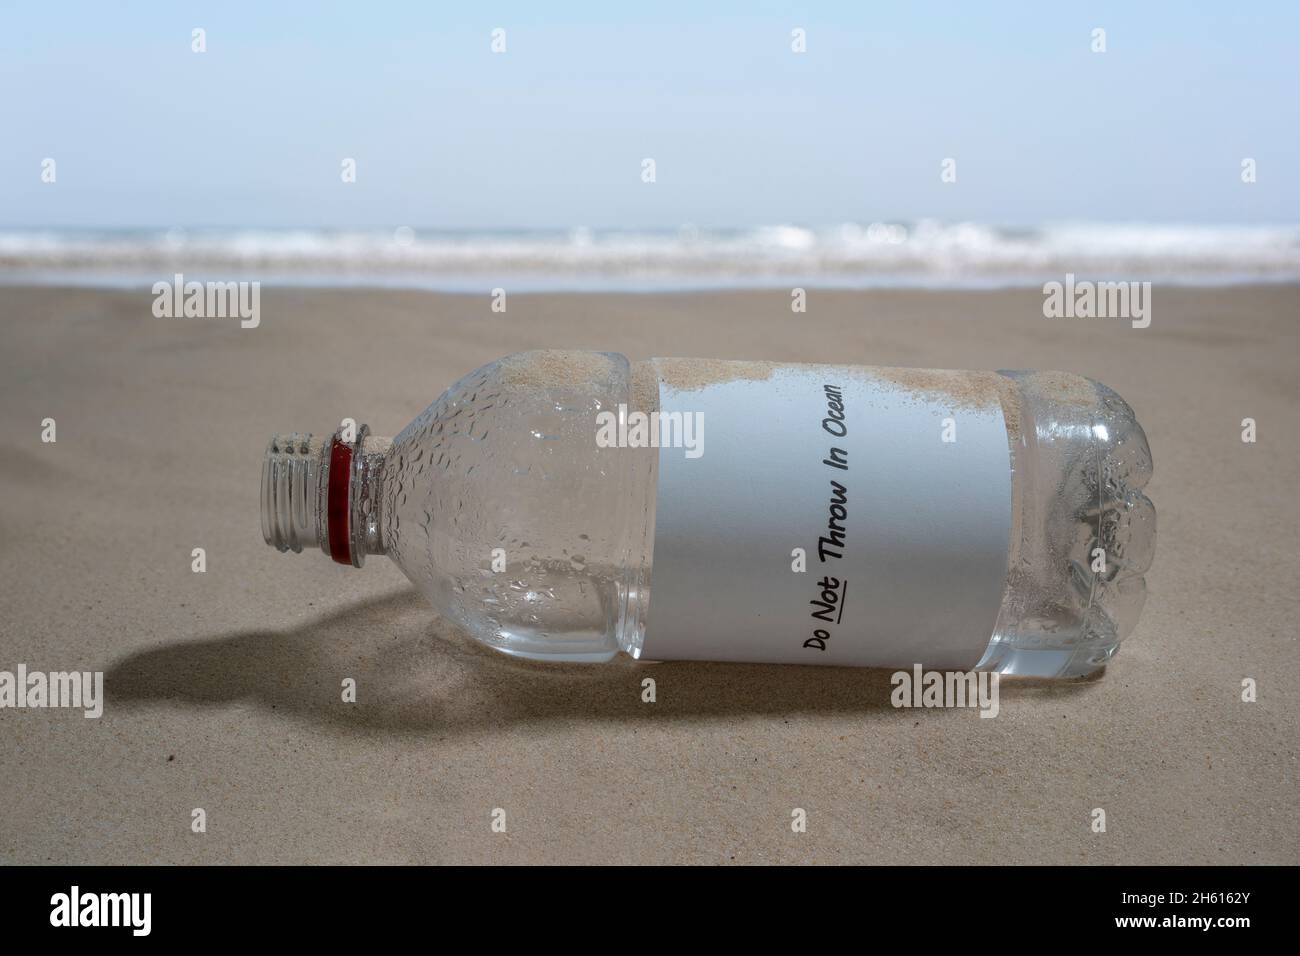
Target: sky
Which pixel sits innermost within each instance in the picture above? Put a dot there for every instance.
(553, 132)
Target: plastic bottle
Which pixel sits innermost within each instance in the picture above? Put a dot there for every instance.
(792, 513)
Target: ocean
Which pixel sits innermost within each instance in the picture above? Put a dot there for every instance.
(924, 254)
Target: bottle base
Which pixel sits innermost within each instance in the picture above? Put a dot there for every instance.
(1083, 532)
(1084, 660)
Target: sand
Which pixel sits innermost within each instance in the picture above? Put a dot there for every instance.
(224, 687)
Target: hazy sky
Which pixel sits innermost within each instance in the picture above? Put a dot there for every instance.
(552, 132)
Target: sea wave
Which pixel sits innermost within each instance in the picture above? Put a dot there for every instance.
(926, 252)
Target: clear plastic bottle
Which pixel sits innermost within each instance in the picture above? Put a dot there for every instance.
(517, 525)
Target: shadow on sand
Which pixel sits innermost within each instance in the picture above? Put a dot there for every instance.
(416, 675)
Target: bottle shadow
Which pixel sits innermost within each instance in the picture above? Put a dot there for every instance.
(415, 674)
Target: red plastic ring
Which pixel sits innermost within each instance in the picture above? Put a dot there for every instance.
(337, 508)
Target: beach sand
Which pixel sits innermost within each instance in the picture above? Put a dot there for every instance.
(223, 688)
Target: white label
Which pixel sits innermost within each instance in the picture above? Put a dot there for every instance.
(899, 498)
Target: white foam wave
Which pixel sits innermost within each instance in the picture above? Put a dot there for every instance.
(926, 252)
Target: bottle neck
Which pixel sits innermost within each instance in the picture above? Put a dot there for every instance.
(325, 493)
